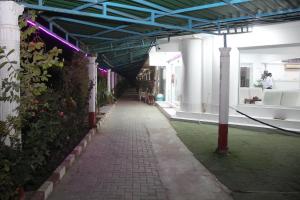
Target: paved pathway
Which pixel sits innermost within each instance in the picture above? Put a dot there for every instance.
(121, 162)
(118, 164)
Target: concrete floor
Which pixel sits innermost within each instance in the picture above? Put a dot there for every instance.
(137, 155)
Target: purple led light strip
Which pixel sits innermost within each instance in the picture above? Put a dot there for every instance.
(53, 35)
(102, 70)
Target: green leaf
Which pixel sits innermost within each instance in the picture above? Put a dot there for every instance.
(3, 64)
(10, 52)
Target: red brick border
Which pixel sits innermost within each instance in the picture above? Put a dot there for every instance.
(45, 190)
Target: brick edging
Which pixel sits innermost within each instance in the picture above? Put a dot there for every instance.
(47, 187)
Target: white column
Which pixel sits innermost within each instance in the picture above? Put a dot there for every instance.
(224, 99)
(109, 80)
(192, 63)
(115, 80)
(96, 82)
(92, 68)
(10, 39)
(112, 81)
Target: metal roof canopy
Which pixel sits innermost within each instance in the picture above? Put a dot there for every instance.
(124, 30)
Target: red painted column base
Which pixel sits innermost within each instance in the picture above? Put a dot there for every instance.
(223, 139)
(92, 119)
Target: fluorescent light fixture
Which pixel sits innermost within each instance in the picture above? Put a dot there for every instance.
(292, 66)
(38, 26)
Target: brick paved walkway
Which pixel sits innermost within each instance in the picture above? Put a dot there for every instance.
(118, 164)
(137, 156)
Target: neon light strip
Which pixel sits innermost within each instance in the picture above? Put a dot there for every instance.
(102, 70)
(53, 35)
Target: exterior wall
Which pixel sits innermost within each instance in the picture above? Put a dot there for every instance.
(269, 35)
(261, 36)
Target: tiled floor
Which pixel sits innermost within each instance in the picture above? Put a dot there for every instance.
(137, 156)
(118, 164)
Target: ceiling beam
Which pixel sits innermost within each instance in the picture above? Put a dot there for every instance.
(105, 50)
(84, 6)
(207, 6)
(91, 37)
(96, 25)
(52, 23)
(258, 16)
(158, 13)
(239, 8)
(114, 18)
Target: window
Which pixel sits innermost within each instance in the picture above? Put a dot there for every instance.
(270, 76)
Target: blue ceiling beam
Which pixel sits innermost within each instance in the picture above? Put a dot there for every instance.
(237, 7)
(106, 50)
(154, 17)
(84, 6)
(207, 6)
(152, 5)
(105, 9)
(190, 19)
(257, 16)
(93, 1)
(91, 37)
(96, 25)
(157, 13)
(126, 53)
(124, 41)
(115, 18)
(52, 23)
(118, 28)
(150, 36)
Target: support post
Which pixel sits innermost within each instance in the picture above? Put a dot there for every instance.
(92, 68)
(116, 79)
(10, 39)
(224, 100)
(191, 50)
(109, 80)
(112, 82)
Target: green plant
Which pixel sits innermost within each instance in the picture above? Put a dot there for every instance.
(25, 86)
(35, 63)
(102, 94)
(52, 117)
(76, 83)
(9, 85)
(9, 155)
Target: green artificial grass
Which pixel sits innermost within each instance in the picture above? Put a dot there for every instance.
(259, 166)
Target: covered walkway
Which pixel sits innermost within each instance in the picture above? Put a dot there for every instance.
(136, 155)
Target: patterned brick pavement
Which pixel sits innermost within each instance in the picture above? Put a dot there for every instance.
(118, 164)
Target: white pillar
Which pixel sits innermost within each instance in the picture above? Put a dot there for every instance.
(92, 68)
(96, 83)
(168, 85)
(9, 38)
(192, 63)
(112, 81)
(115, 80)
(224, 99)
(109, 80)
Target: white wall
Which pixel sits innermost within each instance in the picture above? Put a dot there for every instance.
(270, 59)
(268, 35)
